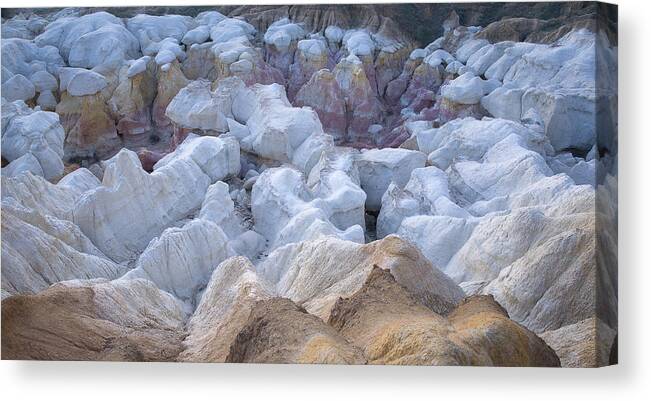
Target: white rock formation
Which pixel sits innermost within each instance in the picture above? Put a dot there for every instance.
(23, 26)
(81, 82)
(540, 220)
(34, 192)
(24, 57)
(23, 164)
(286, 211)
(37, 133)
(282, 32)
(335, 180)
(470, 47)
(152, 30)
(219, 208)
(18, 88)
(39, 250)
(379, 167)
(276, 129)
(231, 28)
(157, 200)
(467, 89)
(426, 193)
(472, 138)
(485, 57)
(558, 82)
(505, 168)
(181, 260)
(218, 158)
(199, 34)
(501, 203)
(197, 107)
(43, 81)
(90, 40)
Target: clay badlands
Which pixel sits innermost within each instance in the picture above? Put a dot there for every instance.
(310, 184)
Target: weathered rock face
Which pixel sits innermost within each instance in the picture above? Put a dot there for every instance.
(18, 88)
(181, 260)
(23, 57)
(425, 193)
(362, 106)
(195, 107)
(285, 210)
(279, 331)
(545, 216)
(335, 179)
(559, 297)
(472, 138)
(132, 99)
(35, 133)
(90, 128)
(106, 213)
(281, 42)
(551, 81)
(583, 344)
(311, 56)
(170, 81)
(391, 327)
(57, 251)
(23, 26)
(423, 77)
(90, 40)
(224, 310)
(466, 89)
(34, 192)
(323, 94)
(93, 321)
(379, 167)
(310, 273)
(275, 130)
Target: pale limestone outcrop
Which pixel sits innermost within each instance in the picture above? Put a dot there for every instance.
(276, 130)
(90, 40)
(198, 107)
(311, 272)
(285, 210)
(158, 200)
(181, 260)
(37, 133)
(379, 167)
(39, 250)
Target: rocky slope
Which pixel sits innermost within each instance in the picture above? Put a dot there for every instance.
(391, 327)
(402, 184)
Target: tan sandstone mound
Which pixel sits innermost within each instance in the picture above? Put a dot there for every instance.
(279, 331)
(93, 320)
(391, 327)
